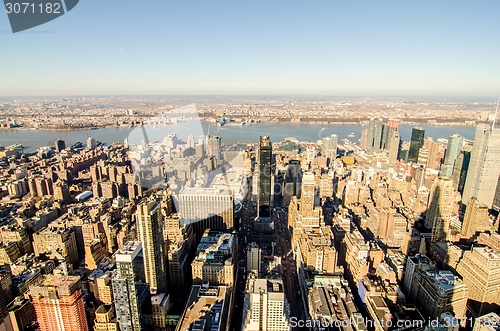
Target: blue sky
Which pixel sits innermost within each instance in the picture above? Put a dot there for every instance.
(257, 47)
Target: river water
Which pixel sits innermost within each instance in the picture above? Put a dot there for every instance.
(34, 139)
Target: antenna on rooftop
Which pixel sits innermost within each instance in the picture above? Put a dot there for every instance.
(495, 116)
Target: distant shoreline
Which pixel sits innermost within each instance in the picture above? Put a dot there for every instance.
(232, 125)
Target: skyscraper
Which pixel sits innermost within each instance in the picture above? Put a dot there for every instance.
(363, 140)
(150, 221)
(455, 144)
(439, 291)
(264, 179)
(476, 219)
(479, 268)
(436, 151)
(496, 198)
(190, 141)
(205, 208)
(375, 134)
(91, 143)
(417, 141)
(254, 256)
(325, 145)
(180, 242)
(390, 130)
(6, 289)
(394, 146)
(307, 200)
(293, 180)
(129, 289)
(279, 178)
(423, 156)
(58, 302)
(266, 307)
(329, 146)
(484, 167)
(60, 145)
(215, 147)
(440, 208)
(460, 168)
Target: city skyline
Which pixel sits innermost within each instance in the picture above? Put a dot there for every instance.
(161, 256)
(257, 48)
(258, 166)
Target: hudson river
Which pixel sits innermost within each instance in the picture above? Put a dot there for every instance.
(34, 139)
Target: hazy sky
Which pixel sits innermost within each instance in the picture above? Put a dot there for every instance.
(257, 47)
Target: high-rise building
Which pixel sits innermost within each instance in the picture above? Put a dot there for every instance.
(355, 252)
(60, 145)
(264, 177)
(326, 185)
(455, 144)
(476, 219)
(170, 141)
(6, 289)
(91, 143)
(306, 213)
(480, 270)
(266, 306)
(416, 142)
(496, 198)
(215, 147)
(180, 244)
(440, 208)
(105, 319)
(150, 216)
(329, 146)
(363, 140)
(439, 291)
(484, 167)
(488, 322)
(461, 168)
(52, 239)
(61, 192)
(314, 249)
(129, 289)
(374, 139)
(423, 156)
(279, 178)
(215, 259)
(404, 151)
(210, 207)
(21, 314)
(436, 151)
(254, 254)
(394, 146)
(58, 302)
(308, 194)
(414, 265)
(325, 145)
(390, 128)
(293, 181)
(190, 141)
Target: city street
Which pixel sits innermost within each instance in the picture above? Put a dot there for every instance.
(248, 214)
(291, 282)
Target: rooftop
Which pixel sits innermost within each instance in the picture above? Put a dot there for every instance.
(129, 251)
(491, 320)
(204, 303)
